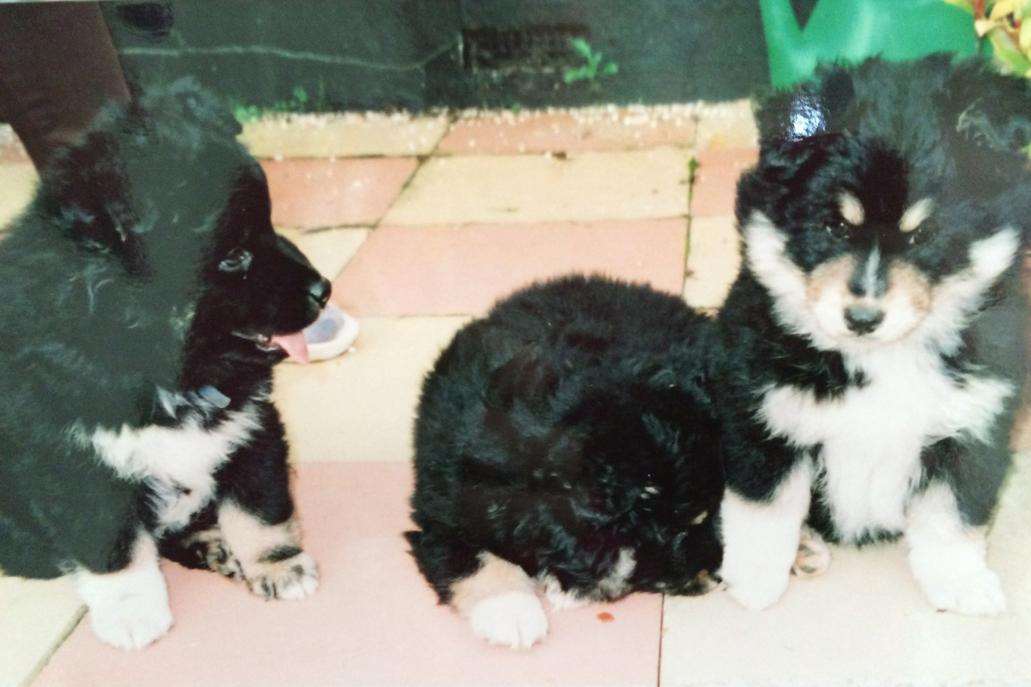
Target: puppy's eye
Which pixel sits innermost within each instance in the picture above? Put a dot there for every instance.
(839, 228)
(238, 260)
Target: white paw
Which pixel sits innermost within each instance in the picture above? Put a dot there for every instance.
(132, 621)
(976, 593)
(814, 556)
(293, 578)
(757, 589)
(513, 619)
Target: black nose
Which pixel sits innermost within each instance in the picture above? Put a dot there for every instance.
(319, 291)
(863, 319)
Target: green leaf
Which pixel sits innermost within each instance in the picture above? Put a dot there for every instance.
(246, 113)
(967, 5)
(575, 74)
(582, 47)
(300, 95)
(610, 69)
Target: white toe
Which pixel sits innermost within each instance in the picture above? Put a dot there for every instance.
(514, 619)
(978, 593)
(132, 622)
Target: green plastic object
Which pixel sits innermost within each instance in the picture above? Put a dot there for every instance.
(853, 30)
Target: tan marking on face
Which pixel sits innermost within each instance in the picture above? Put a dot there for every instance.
(830, 278)
(494, 576)
(908, 282)
(850, 208)
(906, 302)
(915, 215)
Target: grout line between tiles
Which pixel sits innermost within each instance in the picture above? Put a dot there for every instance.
(55, 647)
(662, 623)
(525, 222)
(420, 161)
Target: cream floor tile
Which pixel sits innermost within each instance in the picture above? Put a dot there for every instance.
(343, 135)
(726, 125)
(529, 188)
(35, 617)
(713, 260)
(578, 129)
(863, 623)
(361, 406)
(17, 184)
(330, 249)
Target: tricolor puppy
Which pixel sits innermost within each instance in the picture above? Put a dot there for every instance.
(144, 299)
(874, 335)
(567, 444)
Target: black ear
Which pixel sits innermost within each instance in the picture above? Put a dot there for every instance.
(783, 166)
(810, 109)
(85, 186)
(987, 109)
(183, 111)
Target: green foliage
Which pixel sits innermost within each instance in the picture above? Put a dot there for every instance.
(300, 101)
(594, 66)
(1006, 24)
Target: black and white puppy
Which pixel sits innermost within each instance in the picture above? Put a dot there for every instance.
(567, 441)
(874, 335)
(144, 299)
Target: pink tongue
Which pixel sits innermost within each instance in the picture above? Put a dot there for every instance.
(294, 344)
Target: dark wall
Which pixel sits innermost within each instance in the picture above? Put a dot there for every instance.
(414, 54)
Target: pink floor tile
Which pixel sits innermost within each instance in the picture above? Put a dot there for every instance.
(373, 623)
(716, 180)
(565, 131)
(310, 193)
(464, 269)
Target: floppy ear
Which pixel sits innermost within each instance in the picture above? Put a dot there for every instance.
(85, 187)
(782, 166)
(987, 109)
(183, 111)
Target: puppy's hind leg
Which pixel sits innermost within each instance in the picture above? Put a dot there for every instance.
(204, 549)
(500, 602)
(496, 596)
(814, 556)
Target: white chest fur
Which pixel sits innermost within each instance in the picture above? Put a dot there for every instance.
(871, 437)
(177, 463)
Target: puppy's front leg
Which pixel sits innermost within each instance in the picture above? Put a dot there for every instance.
(760, 538)
(270, 555)
(948, 557)
(128, 607)
(257, 520)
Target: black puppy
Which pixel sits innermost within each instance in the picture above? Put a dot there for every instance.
(144, 299)
(567, 440)
(874, 334)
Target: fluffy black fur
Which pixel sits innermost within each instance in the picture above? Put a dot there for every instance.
(144, 274)
(889, 134)
(574, 421)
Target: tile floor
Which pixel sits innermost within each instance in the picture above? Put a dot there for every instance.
(422, 222)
